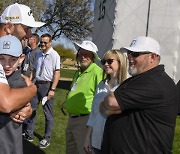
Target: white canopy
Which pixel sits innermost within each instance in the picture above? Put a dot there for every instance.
(118, 22)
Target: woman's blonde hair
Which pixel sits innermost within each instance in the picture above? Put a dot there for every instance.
(122, 59)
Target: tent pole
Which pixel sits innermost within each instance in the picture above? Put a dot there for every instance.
(147, 25)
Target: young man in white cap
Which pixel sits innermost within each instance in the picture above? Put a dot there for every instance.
(79, 99)
(17, 19)
(10, 58)
(142, 110)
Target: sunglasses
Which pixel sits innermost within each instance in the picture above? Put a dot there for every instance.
(41, 42)
(136, 54)
(109, 61)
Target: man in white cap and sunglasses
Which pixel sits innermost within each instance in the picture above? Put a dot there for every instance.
(142, 110)
(79, 99)
(17, 19)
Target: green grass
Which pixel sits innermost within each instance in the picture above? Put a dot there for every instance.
(176, 145)
(67, 73)
(57, 145)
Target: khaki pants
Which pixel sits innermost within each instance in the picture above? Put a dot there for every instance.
(75, 135)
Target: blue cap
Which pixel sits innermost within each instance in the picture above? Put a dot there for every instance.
(10, 45)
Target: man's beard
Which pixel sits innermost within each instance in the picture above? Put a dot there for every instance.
(135, 70)
(132, 71)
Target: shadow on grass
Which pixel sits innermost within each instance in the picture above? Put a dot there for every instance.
(30, 148)
(62, 84)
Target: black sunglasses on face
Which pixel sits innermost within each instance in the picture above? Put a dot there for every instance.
(136, 54)
(109, 61)
(41, 42)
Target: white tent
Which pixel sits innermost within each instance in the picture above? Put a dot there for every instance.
(117, 22)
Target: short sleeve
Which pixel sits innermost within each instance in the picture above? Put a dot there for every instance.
(2, 75)
(138, 94)
(58, 61)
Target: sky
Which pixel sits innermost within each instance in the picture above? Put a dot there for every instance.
(62, 40)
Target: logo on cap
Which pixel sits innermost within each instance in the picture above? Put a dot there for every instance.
(12, 18)
(6, 45)
(30, 13)
(133, 43)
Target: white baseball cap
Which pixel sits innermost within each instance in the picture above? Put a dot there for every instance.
(10, 45)
(19, 14)
(89, 46)
(144, 44)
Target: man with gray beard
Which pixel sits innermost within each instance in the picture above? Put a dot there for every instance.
(142, 110)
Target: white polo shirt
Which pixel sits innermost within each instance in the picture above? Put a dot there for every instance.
(46, 64)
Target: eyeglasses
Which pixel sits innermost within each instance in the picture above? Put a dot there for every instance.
(136, 54)
(109, 61)
(41, 42)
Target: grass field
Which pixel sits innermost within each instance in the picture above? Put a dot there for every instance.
(57, 145)
(67, 73)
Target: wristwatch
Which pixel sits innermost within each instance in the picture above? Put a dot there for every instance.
(52, 89)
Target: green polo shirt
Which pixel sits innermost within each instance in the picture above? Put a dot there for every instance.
(79, 99)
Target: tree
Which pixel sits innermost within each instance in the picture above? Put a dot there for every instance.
(71, 18)
(65, 52)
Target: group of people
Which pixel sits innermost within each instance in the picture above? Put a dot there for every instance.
(108, 112)
(21, 94)
(112, 114)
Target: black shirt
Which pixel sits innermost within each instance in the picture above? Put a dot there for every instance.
(147, 123)
(178, 88)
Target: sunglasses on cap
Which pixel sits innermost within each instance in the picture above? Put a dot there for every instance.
(109, 61)
(136, 54)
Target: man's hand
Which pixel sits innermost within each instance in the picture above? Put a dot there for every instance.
(107, 111)
(110, 105)
(23, 113)
(50, 94)
(27, 80)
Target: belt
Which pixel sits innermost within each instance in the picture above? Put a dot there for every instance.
(43, 82)
(76, 116)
